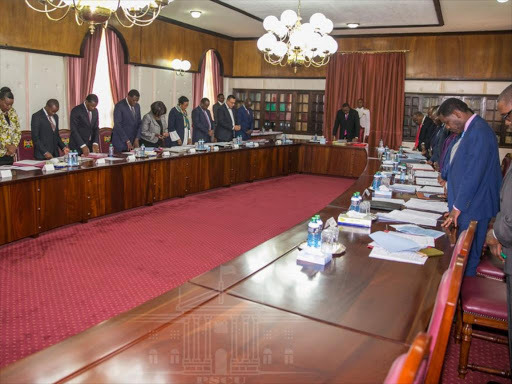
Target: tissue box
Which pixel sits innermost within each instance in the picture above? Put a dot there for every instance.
(386, 194)
(314, 256)
(345, 220)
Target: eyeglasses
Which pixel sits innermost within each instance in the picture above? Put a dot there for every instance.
(506, 115)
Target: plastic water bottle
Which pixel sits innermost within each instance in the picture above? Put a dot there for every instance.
(110, 150)
(316, 137)
(359, 199)
(402, 173)
(353, 203)
(395, 166)
(376, 181)
(312, 228)
(381, 144)
(70, 158)
(143, 150)
(318, 236)
(320, 222)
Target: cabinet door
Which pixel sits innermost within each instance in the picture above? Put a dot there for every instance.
(240, 166)
(19, 215)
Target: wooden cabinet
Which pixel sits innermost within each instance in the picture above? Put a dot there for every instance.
(19, 217)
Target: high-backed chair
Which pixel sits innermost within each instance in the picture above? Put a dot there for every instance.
(26, 146)
(505, 164)
(407, 368)
(445, 305)
(64, 135)
(105, 139)
(490, 268)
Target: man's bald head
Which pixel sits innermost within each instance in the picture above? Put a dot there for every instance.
(505, 105)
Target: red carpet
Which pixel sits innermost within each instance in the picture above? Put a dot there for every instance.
(70, 279)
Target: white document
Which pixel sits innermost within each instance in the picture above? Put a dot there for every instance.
(435, 206)
(415, 230)
(427, 181)
(407, 188)
(423, 241)
(396, 201)
(23, 163)
(115, 158)
(426, 174)
(403, 257)
(410, 216)
(174, 136)
(27, 169)
(429, 189)
(423, 167)
(8, 167)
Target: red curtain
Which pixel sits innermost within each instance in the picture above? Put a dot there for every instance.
(198, 83)
(81, 72)
(218, 82)
(379, 79)
(118, 69)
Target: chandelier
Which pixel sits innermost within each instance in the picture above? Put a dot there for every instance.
(99, 12)
(288, 41)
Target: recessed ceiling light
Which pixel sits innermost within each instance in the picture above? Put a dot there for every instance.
(195, 14)
(352, 25)
(502, 1)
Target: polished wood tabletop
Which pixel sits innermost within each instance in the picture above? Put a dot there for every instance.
(262, 317)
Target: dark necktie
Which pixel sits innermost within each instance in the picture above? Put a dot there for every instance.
(133, 111)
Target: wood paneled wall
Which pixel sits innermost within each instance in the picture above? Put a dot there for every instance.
(155, 45)
(443, 56)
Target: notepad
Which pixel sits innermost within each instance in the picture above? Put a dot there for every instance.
(427, 181)
(410, 216)
(429, 189)
(402, 257)
(428, 174)
(424, 167)
(407, 188)
(435, 206)
(432, 252)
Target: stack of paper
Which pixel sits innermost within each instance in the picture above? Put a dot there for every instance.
(403, 257)
(435, 206)
(30, 163)
(427, 181)
(429, 189)
(415, 230)
(410, 216)
(423, 167)
(396, 201)
(393, 242)
(426, 174)
(416, 156)
(407, 188)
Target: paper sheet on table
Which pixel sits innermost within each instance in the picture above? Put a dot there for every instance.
(423, 241)
(27, 169)
(424, 167)
(410, 216)
(416, 156)
(435, 206)
(396, 201)
(403, 257)
(426, 174)
(8, 167)
(427, 181)
(114, 158)
(407, 188)
(415, 230)
(30, 163)
(429, 189)
(392, 243)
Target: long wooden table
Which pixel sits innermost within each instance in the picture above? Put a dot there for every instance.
(261, 317)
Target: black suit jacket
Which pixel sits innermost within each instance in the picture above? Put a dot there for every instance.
(349, 125)
(215, 108)
(83, 131)
(43, 136)
(427, 130)
(200, 126)
(224, 128)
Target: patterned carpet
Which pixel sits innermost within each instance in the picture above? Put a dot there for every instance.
(72, 278)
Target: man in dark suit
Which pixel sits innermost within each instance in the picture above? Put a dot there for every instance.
(226, 121)
(127, 123)
(499, 238)
(348, 119)
(425, 129)
(473, 174)
(84, 127)
(217, 105)
(45, 132)
(245, 117)
(202, 123)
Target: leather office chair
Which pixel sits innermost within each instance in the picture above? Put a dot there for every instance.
(105, 139)
(26, 146)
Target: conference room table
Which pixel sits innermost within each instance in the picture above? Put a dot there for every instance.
(263, 317)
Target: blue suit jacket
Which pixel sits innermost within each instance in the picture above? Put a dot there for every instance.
(200, 126)
(474, 175)
(126, 127)
(175, 123)
(246, 121)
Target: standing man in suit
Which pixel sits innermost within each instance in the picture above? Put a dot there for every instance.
(364, 119)
(202, 123)
(245, 117)
(217, 105)
(424, 132)
(499, 238)
(84, 126)
(226, 121)
(348, 119)
(127, 123)
(473, 174)
(10, 130)
(45, 132)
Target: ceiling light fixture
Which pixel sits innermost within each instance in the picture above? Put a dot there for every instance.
(288, 41)
(502, 1)
(195, 14)
(352, 25)
(99, 12)
(180, 66)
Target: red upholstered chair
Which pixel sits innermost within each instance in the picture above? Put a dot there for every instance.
(445, 305)
(407, 368)
(64, 135)
(26, 146)
(105, 139)
(489, 268)
(505, 164)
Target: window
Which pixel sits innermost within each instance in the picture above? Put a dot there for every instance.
(485, 106)
(102, 87)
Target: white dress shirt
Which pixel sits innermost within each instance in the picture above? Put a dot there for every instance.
(232, 117)
(364, 120)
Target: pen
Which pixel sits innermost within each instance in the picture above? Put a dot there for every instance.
(503, 255)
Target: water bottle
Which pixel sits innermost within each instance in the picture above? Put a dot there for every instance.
(381, 143)
(143, 150)
(395, 166)
(110, 150)
(316, 137)
(402, 173)
(318, 236)
(359, 199)
(320, 222)
(312, 227)
(70, 158)
(376, 181)
(354, 203)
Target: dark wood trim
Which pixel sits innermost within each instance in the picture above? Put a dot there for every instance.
(323, 78)
(237, 10)
(28, 50)
(159, 67)
(123, 43)
(439, 12)
(194, 28)
(219, 57)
